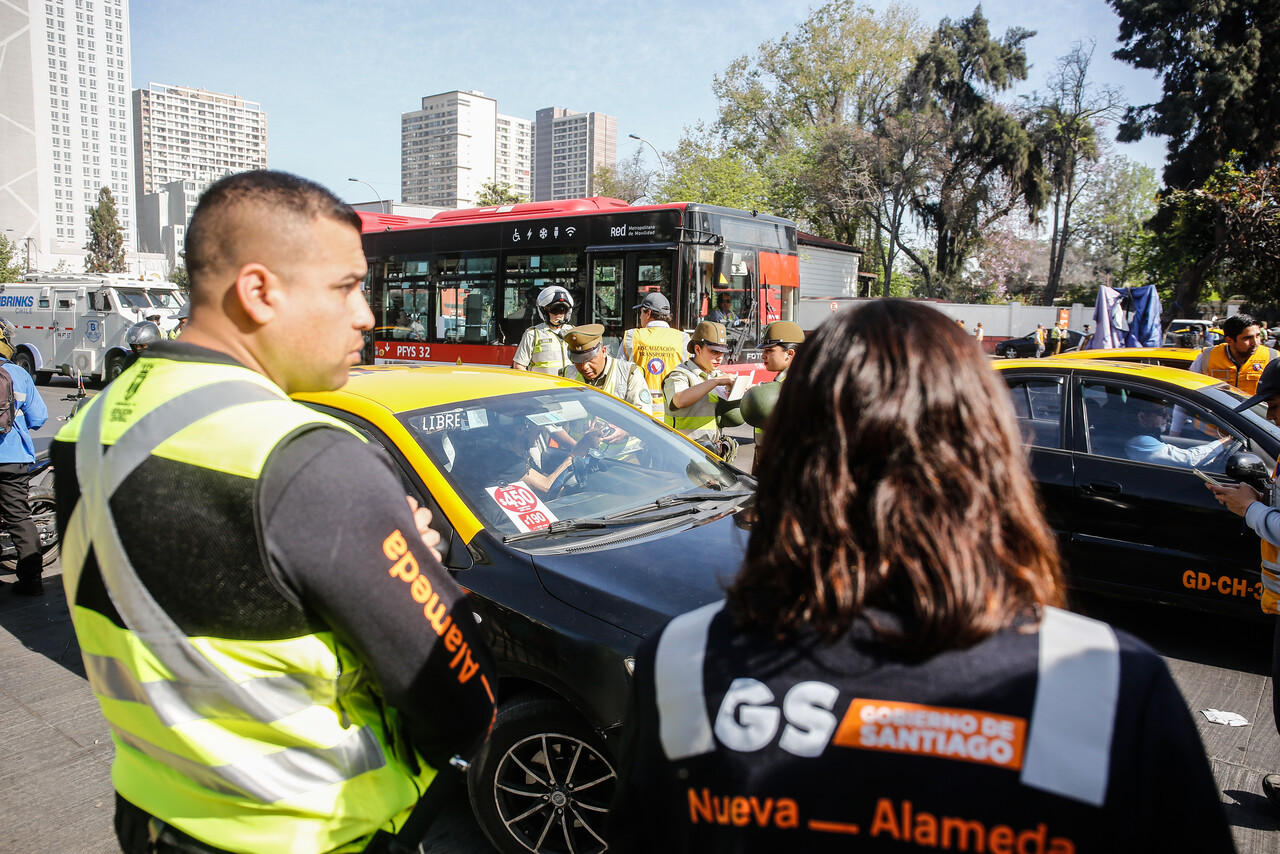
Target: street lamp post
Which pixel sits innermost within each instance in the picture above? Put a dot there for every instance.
(376, 194)
(661, 162)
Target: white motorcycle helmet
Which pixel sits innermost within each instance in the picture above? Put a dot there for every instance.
(552, 296)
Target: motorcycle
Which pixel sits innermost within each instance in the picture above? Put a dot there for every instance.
(40, 492)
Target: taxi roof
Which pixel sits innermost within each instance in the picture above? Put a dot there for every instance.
(401, 388)
(1173, 376)
(1188, 353)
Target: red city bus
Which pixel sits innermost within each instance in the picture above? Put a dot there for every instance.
(462, 285)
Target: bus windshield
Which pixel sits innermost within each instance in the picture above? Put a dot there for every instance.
(134, 298)
(165, 299)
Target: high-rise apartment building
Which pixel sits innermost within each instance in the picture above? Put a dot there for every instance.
(514, 155)
(64, 104)
(185, 134)
(568, 148)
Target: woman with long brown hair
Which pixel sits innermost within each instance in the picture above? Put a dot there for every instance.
(891, 667)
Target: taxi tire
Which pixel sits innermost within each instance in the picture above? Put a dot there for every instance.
(544, 760)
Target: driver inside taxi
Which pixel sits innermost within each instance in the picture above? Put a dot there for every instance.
(518, 456)
(1147, 446)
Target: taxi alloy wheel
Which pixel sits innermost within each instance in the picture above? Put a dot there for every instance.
(543, 782)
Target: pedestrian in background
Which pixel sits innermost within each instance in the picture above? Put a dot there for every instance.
(26, 412)
(891, 660)
(979, 334)
(1241, 358)
(654, 346)
(1261, 514)
(1039, 339)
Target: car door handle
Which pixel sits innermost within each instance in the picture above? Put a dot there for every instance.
(1103, 487)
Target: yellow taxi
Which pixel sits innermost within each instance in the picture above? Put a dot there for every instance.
(1118, 451)
(578, 526)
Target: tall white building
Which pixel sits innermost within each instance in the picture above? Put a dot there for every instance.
(568, 148)
(64, 109)
(185, 134)
(513, 154)
(455, 144)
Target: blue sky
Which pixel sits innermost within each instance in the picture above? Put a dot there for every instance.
(334, 77)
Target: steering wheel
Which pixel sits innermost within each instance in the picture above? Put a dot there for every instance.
(1223, 453)
(578, 471)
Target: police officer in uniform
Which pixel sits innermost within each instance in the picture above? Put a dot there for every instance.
(1241, 358)
(654, 346)
(542, 348)
(691, 390)
(1263, 516)
(777, 350)
(891, 670)
(282, 660)
(591, 363)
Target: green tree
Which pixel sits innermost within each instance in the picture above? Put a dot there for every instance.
(704, 168)
(628, 180)
(180, 278)
(785, 106)
(10, 269)
(1220, 94)
(106, 237)
(497, 192)
(1112, 215)
(1065, 128)
(991, 163)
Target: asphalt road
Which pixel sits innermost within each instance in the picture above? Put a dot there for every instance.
(55, 750)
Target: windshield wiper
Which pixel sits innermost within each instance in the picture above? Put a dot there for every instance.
(681, 498)
(621, 520)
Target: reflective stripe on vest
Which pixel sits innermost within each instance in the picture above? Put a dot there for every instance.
(202, 723)
(657, 350)
(550, 353)
(699, 420)
(1068, 750)
(1244, 377)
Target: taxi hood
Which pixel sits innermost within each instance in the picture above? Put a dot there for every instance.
(637, 585)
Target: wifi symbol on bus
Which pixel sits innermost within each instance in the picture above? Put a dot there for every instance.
(569, 230)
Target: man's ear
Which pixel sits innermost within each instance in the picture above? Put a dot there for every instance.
(257, 290)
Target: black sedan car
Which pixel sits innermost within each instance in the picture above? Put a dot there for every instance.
(1119, 451)
(570, 559)
(1025, 347)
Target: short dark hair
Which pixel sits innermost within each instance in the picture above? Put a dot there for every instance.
(888, 483)
(664, 316)
(214, 231)
(1237, 323)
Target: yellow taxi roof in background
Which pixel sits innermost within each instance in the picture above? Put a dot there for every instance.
(1134, 353)
(1173, 376)
(401, 388)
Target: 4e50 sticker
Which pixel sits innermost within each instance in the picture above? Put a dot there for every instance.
(1223, 585)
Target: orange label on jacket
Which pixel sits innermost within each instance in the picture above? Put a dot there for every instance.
(963, 734)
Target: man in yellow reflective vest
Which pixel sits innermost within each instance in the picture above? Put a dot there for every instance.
(1243, 500)
(282, 660)
(654, 346)
(691, 390)
(1241, 358)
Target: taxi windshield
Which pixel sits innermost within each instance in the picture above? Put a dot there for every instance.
(525, 461)
(1257, 415)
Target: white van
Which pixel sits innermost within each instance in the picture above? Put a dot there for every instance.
(81, 320)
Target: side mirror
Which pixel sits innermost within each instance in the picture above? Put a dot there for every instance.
(1250, 469)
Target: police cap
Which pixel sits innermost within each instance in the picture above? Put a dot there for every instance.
(784, 332)
(584, 342)
(709, 334)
